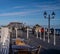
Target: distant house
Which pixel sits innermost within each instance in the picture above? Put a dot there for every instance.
(15, 24)
(36, 28)
(12, 27)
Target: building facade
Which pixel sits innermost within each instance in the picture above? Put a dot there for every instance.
(12, 26)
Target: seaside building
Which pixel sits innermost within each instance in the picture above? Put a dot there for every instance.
(13, 26)
(37, 28)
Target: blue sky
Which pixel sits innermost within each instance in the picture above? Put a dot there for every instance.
(29, 11)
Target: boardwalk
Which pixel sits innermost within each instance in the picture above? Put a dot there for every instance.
(33, 41)
(37, 41)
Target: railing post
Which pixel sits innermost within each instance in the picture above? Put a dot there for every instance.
(40, 35)
(16, 32)
(37, 34)
(54, 37)
(27, 34)
(44, 35)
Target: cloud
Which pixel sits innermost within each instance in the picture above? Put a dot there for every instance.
(33, 8)
(19, 13)
(48, 7)
(19, 6)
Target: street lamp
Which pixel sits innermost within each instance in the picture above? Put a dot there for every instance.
(53, 14)
(49, 17)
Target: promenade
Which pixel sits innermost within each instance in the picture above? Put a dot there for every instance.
(33, 41)
(46, 48)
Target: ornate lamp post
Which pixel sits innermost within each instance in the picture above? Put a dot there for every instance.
(49, 17)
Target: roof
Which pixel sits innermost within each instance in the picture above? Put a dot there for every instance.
(14, 23)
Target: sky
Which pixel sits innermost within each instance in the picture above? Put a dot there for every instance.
(29, 12)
